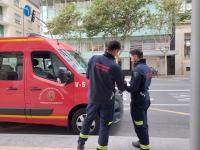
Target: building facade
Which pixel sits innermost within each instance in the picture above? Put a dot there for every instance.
(12, 20)
(183, 44)
(155, 46)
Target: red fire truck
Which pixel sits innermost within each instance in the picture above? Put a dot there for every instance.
(42, 81)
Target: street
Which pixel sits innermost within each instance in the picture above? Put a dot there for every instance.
(169, 111)
(168, 114)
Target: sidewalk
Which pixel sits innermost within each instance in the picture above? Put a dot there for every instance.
(68, 142)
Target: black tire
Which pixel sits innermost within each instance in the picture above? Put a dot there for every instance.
(76, 118)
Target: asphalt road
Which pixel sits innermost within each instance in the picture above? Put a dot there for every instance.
(168, 114)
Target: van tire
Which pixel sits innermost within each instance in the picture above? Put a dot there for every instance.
(77, 120)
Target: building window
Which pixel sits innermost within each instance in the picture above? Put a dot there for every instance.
(16, 2)
(96, 46)
(148, 44)
(162, 42)
(1, 31)
(187, 68)
(188, 5)
(17, 19)
(1, 13)
(187, 45)
(136, 44)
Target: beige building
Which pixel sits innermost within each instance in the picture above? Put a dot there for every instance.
(183, 45)
(12, 20)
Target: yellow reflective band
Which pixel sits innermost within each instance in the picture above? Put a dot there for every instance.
(102, 147)
(139, 123)
(144, 146)
(83, 136)
(21, 40)
(31, 117)
(110, 123)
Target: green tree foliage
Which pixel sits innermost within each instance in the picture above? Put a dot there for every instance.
(166, 14)
(185, 16)
(66, 22)
(116, 18)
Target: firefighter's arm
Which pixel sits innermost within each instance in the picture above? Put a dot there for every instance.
(119, 78)
(134, 82)
(88, 68)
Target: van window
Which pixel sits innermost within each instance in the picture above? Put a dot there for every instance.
(11, 66)
(46, 65)
(75, 60)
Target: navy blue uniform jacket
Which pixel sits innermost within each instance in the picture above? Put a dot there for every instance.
(139, 84)
(103, 73)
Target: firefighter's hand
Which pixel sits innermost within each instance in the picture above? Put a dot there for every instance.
(127, 86)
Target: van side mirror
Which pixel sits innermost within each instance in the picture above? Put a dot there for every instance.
(65, 76)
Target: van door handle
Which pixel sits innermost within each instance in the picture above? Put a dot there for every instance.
(36, 89)
(11, 89)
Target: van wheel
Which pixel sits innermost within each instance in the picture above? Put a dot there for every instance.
(78, 119)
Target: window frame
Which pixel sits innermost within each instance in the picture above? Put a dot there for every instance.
(17, 54)
(44, 64)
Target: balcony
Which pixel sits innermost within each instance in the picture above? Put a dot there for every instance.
(3, 3)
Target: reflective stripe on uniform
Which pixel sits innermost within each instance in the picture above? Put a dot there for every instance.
(83, 136)
(145, 146)
(110, 123)
(139, 123)
(102, 147)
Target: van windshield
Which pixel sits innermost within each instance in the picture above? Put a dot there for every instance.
(75, 60)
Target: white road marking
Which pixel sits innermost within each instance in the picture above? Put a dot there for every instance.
(164, 104)
(152, 99)
(186, 95)
(170, 104)
(184, 100)
(185, 90)
(182, 96)
(170, 111)
(180, 93)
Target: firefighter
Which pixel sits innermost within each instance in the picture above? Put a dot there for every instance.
(103, 73)
(140, 98)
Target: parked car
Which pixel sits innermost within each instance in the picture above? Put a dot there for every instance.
(43, 81)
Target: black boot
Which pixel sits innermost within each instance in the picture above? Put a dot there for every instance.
(80, 146)
(136, 144)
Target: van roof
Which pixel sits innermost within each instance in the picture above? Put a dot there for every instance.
(36, 38)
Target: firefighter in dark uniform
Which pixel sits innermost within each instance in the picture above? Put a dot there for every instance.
(103, 73)
(140, 98)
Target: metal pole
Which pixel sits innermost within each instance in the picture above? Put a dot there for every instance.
(195, 77)
(165, 63)
(45, 25)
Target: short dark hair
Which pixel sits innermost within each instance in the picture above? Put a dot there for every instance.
(113, 45)
(137, 52)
